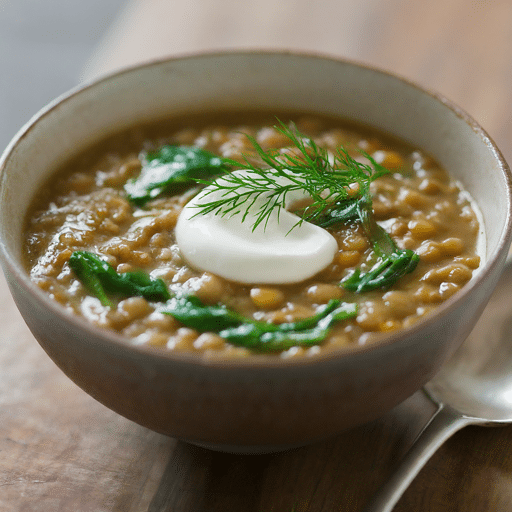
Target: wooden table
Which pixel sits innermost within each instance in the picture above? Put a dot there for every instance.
(62, 451)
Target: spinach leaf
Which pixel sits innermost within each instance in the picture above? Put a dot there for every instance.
(264, 337)
(342, 213)
(391, 264)
(172, 168)
(102, 280)
(257, 335)
(384, 273)
(190, 311)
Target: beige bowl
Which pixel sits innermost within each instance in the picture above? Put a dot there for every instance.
(255, 404)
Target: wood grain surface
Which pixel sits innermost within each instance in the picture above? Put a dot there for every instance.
(62, 451)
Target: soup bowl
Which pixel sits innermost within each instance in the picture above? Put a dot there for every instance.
(258, 403)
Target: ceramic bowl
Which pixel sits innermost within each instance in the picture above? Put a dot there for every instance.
(256, 404)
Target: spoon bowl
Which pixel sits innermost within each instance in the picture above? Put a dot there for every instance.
(473, 388)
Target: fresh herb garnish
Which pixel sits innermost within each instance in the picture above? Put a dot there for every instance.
(257, 335)
(172, 168)
(100, 278)
(329, 180)
(339, 187)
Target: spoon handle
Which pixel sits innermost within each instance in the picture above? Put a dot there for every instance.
(441, 426)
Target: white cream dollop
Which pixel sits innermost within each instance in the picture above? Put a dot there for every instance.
(270, 254)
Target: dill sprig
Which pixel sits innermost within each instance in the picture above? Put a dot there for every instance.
(339, 188)
(329, 179)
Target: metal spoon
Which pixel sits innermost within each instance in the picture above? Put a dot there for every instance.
(473, 388)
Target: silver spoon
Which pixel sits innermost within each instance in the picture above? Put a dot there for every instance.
(473, 388)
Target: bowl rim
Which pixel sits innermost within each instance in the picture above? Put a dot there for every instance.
(113, 341)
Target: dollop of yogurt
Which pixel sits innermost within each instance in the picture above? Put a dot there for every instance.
(273, 253)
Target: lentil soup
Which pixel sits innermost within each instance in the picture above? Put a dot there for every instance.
(85, 208)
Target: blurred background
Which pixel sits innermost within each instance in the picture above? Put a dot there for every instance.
(461, 48)
(43, 48)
